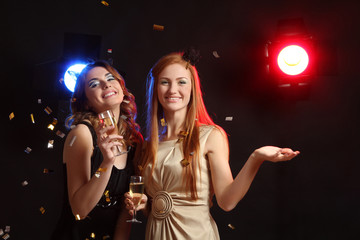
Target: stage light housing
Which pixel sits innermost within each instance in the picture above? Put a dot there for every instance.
(291, 57)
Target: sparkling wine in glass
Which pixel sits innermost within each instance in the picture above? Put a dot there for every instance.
(108, 118)
(136, 191)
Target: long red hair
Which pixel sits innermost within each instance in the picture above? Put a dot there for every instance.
(197, 115)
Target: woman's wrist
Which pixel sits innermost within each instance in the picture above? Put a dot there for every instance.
(256, 157)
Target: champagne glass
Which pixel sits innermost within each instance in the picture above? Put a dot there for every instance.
(136, 191)
(108, 118)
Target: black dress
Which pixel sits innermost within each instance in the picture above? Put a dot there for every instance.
(101, 221)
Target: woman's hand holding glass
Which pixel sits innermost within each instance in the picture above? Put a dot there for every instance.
(107, 142)
(130, 204)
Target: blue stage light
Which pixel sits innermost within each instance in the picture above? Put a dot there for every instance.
(71, 75)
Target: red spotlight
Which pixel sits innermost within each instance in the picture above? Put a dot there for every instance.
(291, 56)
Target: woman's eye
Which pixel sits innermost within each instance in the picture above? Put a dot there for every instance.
(93, 84)
(164, 82)
(182, 82)
(110, 79)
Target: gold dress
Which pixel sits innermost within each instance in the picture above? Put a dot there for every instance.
(174, 215)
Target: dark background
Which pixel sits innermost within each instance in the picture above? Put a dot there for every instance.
(315, 196)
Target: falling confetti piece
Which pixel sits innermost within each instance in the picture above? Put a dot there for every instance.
(39, 101)
(162, 121)
(7, 229)
(54, 122)
(42, 210)
(73, 99)
(192, 153)
(123, 117)
(229, 119)
(99, 171)
(47, 170)
(215, 53)
(6, 236)
(11, 116)
(109, 50)
(183, 133)
(24, 183)
(32, 118)
(77, 217)
(48, 110)
(1, 231)
(231, 226)
(28, 150)
(184, 162)
(50, 144)
(105, 3)
(92, 235)
(106, 237)
(60, 134)
(140, 167)
(106, 193)
(61, 80)
(72, 141)
(158, 27)
(126, 101)
(51, 127)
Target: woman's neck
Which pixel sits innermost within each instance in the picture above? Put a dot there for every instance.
(175, 123)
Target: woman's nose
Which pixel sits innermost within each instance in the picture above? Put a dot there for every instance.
(106, 84)
(172, 88)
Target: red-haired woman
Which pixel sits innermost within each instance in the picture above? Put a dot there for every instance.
(186, 158)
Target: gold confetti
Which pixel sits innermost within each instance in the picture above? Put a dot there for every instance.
(6, 236)
(231, 226)
(98, 172)
(1, 231)
(106, 193)
(42, 210)
(105, 3)
(77, 217)
(51, 127)
(48, 110)
(184, 162)
(183, 134)
(215, 53)
(50, 144)
(162, 121)
(28, 150)
(54, 122)
(126, 101)
(229, 119)
(106, 237)
(158, 27)
(7, 229)
(73, 99)
(47, 170)
(32, 118)
(92, 235)
(24, 183)
(140, 167)
(39, 101)
(60, 134)
(12, 115)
